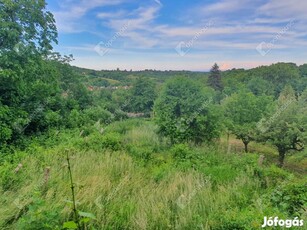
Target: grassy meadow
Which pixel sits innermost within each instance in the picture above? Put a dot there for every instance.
(133, 134)
(129, 178)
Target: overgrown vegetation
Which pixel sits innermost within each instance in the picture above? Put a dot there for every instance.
(147, 149)
(144, 184)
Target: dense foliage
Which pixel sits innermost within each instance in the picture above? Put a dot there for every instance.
(243, 111)
(215, 78)
(145, 149)
(184, 112)
(287, 128)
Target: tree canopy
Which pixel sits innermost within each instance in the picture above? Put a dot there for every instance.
(143, 95)
(286, 127)
(215, 78)
(26, 26)
(244, 110)
(184, 112)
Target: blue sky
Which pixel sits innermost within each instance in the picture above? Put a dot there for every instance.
(181, 34)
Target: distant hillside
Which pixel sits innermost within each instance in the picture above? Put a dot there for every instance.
(118, 77)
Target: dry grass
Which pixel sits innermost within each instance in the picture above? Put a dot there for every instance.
(123, 194)
(120, 193)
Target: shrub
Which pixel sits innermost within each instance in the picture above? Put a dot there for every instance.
(92, 115)
(38, 218)
(244, 219)
(112, 141)
(75, 119)
(120, 115)
(6, 131)
(271, 176)
(160, 172)
(53, 119)
(291, 198)
(98, 142)
(143, 153)
(9, 179)
(181, 152)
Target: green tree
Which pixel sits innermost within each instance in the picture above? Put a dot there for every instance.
(259, 86)
(303, 70)
(27, 80)
(121, 99)
(26, 26)
(184, 112)
(143, 95)
(243, 111)
(279, 75)
(286, 128)
(215, 78)
(5, 130)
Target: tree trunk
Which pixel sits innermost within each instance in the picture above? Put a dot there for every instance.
(246, 146)
(228, 136)
(228, 146)
(281, 158)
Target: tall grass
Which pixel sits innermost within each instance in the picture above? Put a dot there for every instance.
(123, 195)
(225, 191)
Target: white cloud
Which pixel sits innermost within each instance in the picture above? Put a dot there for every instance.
(111, 15)
(140, 18)
(67, 18)
(139, 28)
(284, 9)
(151, 41)
(159, 2)
(225, 7)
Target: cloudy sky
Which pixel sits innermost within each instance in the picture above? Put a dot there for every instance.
(181, 34)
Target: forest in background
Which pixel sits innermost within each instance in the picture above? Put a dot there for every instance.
(146, 149)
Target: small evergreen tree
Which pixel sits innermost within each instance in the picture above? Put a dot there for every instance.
(215, 78)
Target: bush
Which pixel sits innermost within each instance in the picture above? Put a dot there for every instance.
(98, 142)
(53, 119)
(120, 115)
(111, 141)
(92, 115)
(161, 171)
(181, 152)
(6, 131)
(37, 218)
(291, 198)
(75, 119)
(271, 176)
(9, 179)
(243, 219)
(143, 153)
(122, 127)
